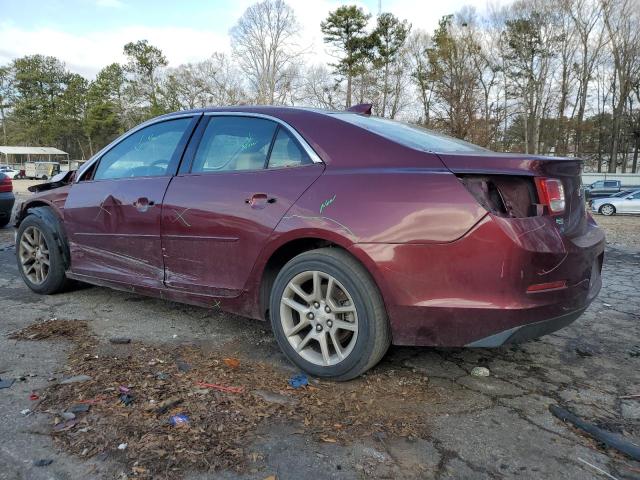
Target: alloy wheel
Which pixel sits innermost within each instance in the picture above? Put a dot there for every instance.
(34, 255)
(607, 210)
(319, 318)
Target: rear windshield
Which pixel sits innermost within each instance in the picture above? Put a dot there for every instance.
(409, 135)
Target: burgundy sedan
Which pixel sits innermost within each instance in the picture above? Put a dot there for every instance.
(347, 231)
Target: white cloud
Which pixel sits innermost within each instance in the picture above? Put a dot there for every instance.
(87, 54)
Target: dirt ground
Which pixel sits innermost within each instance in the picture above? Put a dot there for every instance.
(419, 414)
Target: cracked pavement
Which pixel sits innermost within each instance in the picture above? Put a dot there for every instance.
(498, 427)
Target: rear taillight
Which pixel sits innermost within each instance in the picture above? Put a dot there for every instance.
(6, 185)
(551, 194)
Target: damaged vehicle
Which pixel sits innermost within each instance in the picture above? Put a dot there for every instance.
(346, 231)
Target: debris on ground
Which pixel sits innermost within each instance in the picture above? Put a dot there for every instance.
(119, 340)
(34, 396)
(298, 381)
(43, 462)
(220, 388)
(126, 399)
(75, 379)
(178, 420)
(221, 422)
(123, 446)
(53, 328)
(231, 362)
(480, 372)
(6, 383)
(79, 408)
(612, 440)
(26, 411)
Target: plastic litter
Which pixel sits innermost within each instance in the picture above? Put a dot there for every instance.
(34, 396)
(126, 399)
(299, 381)
(26, 411)
(43, 462)
(179, 420)
(123, 389)
(120, 340)
(76, 379)
(221, 388)
(123, 446)
(7, 383)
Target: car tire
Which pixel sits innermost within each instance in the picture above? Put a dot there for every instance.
(36, 233)
(356, 335)
(607, 209)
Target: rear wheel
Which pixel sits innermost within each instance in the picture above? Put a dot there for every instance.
(39, 258)
(328, 316)
(607, 209)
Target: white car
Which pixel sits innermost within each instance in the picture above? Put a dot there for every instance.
(629, 203)
(10, 172)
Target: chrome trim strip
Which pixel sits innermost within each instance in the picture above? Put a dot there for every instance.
(108, 147)
(315, 158)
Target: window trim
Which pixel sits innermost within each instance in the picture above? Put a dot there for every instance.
(92, 164)
(273, 142)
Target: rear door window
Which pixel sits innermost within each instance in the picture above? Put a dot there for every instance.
(287, 152)
(610, 184)
(234, 144)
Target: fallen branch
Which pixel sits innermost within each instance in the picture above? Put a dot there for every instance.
(610, 439)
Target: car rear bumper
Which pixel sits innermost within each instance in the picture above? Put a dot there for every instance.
(7, 200)
(474, 291)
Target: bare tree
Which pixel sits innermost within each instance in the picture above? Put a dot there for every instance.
(622, 21)
(263, 43)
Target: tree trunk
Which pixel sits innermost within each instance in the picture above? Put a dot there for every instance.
(349, 86)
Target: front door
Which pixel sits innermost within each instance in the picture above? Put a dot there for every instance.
(245, 174)
(112, 214)
(630, 204)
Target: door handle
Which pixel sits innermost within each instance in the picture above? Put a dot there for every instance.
(259, 200)
(142, 204)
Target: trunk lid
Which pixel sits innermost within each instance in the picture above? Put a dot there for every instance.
(573, 222)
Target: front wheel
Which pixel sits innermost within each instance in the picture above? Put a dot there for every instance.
(607, 209)
(39, 259)
(328, 315)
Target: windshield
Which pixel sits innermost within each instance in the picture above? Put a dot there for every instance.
(409, 135)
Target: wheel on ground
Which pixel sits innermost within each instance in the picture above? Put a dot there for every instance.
(328, 315)
(607, 209)
(39, 258)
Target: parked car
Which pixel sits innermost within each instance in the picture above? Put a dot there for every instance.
(348, 232)
(606, 188)
(626, 203)
(10, 172)
(7, 199)
(41, 170)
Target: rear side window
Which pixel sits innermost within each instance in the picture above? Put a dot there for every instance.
(410, 136)
(609, 184)
(234, 143)
(145, 153)
(286, 152)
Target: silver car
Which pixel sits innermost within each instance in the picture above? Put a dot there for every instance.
(627, 203)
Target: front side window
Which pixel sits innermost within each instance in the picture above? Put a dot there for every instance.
(234, 143)
(635, 196)
(145, 153)
(286, 152)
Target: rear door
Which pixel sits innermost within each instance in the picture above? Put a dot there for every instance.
(112, 214)
(240, 176)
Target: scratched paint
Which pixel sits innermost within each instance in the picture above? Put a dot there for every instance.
(322, 218)
(327, 202)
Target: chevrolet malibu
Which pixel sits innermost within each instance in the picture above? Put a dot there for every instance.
(346, 231)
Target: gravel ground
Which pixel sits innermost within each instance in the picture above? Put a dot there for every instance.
(495, 427)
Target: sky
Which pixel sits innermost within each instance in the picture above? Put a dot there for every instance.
(89, 34)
